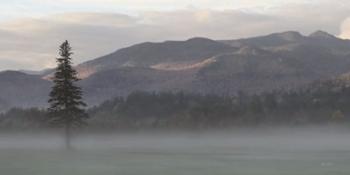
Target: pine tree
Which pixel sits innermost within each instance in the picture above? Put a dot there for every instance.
(66, 104)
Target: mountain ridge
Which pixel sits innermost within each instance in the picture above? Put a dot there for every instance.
(276, 61)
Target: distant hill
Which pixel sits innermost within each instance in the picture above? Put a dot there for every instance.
(275, 61)
(22, 90)
(41, 72)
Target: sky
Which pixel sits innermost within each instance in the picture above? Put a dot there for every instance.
(32, 30)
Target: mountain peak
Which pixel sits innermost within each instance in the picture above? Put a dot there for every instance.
(289, 35)
(199, 39)
(322, 34)
(12, 73)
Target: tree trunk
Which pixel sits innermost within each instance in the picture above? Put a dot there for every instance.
(68, 137)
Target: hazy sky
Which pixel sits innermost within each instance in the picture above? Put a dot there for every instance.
(31, 30)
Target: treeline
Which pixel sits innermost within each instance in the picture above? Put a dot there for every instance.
(18, 118)
(321, 103)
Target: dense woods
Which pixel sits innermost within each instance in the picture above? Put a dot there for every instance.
(321, 103)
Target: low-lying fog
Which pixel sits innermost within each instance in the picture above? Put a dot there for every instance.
(315, 151)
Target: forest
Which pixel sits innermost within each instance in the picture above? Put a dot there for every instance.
(320, 103)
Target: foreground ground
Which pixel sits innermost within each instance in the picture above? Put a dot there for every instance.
(276, 152)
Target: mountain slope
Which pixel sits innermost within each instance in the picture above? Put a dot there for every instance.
(151, 54)
(276, 61)
(22, 90)
(291, 39)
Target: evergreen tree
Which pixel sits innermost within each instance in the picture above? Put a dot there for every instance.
(66, 104)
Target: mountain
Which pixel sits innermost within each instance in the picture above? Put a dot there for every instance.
(22, 90)
(157, 55)
(41, 72)
(277, 61)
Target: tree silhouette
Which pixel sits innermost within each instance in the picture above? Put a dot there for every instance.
(66, 105)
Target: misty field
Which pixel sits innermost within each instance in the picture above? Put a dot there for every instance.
(277, 152)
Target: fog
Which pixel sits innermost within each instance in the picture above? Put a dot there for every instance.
(259, 151)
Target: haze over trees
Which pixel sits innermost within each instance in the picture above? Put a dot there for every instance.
(322, 103)
(66, 104)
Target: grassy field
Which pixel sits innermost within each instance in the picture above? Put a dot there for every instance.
(299, 154)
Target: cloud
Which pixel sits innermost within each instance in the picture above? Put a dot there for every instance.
(96, 34)
(345, 29)
(151, 4)
(32, 42)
